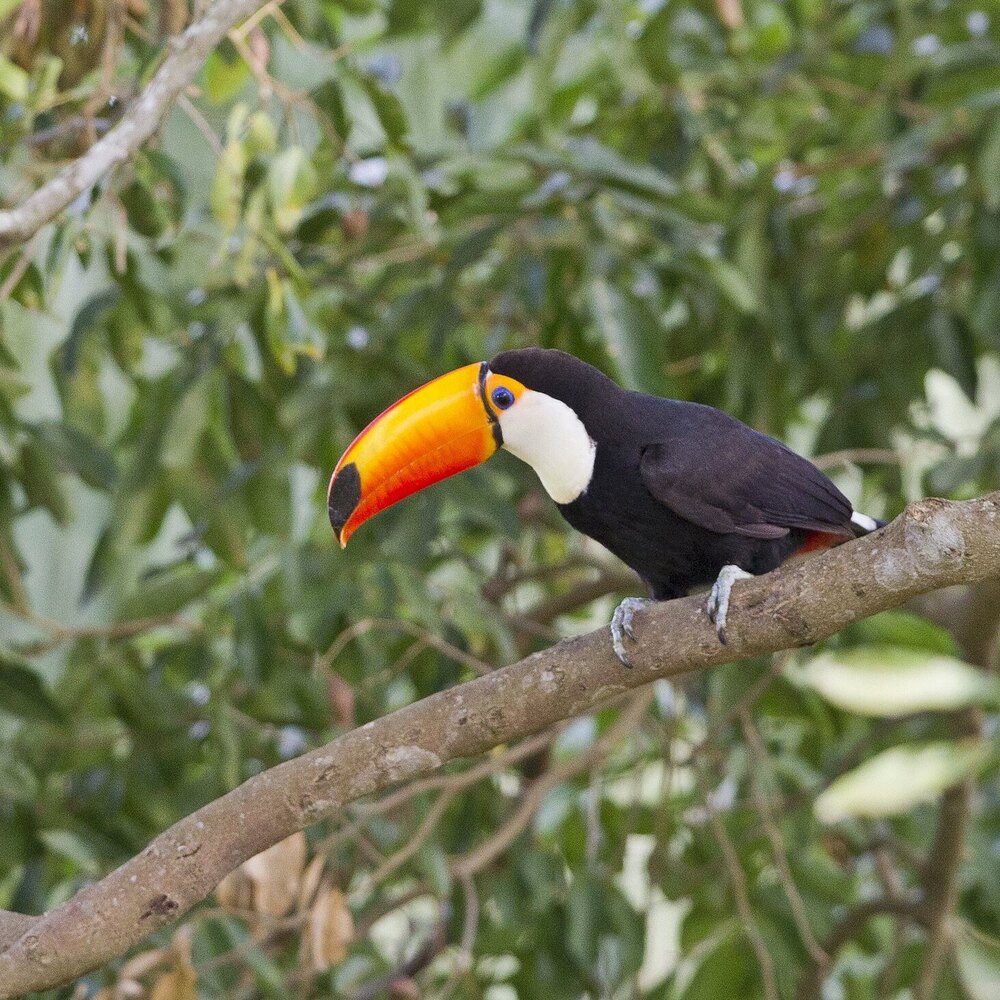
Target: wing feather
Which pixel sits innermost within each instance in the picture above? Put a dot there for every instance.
(729, 479)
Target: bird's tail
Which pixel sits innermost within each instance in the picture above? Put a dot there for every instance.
(865, 525)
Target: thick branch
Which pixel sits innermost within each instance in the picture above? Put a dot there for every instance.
(186, 54)
(934, 544)
(12, 926)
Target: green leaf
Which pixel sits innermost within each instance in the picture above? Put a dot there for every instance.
(903, 628)
(454, 16)
(168, 591)
(22, 693)
(291, 182)
(585, 907)
(988, 166)
(495, 68)
(225, 73)
(93, 463)
(187, 424)
(14, 82)
(41, 481)
(894, 680)
(70, 845)
(727, 970)
(635, 342)
(896, 780)
(329, 97)
(387, 106)
(601, 162)
(731, 283)
(227, 187)
(145, 213)
(771, 32)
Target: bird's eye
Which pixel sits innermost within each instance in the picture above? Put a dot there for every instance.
(503, 398)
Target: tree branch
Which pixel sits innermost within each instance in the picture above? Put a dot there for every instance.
(186, 53)
(934, 544)
(12, 926)
(810, 987)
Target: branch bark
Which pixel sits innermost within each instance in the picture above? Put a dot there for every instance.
(185, 54)
(934, 544)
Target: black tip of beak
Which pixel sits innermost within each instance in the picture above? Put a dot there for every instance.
(344, 496)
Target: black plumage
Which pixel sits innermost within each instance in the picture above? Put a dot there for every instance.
(680, 490)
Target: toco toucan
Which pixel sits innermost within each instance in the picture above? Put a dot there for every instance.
(681, 492)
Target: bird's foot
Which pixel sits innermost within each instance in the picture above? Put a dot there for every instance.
(621, 625)
(717, 605)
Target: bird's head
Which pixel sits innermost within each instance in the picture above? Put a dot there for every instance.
(528, 401)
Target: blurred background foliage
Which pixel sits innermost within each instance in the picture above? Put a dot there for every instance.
(790, 210)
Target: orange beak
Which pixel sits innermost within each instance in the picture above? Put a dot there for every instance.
(436, 431)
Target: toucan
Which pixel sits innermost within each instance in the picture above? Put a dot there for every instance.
(683, 493)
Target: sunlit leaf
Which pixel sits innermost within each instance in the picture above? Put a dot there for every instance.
(896, 780)
(14, 82)
(978, 959)
(893, 680)
(225, 74)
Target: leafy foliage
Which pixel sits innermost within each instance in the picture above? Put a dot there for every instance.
(788, 210)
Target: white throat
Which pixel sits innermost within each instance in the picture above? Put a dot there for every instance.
(550, 437)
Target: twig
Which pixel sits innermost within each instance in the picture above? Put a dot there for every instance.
(849, 927)
(780, 855)
(434, 945)
(413, 843)
(358, 629)
(114, 36)
(200, 123)
(17, 271)
(893, 887)
(582, 594)
(739, 883)
(941, 884)
(375, 913)
(857, 456)
(470, 926)
(861, 95)
(67, 633)
(973, 622)
(12, 577)
(258, 66)
(478, 858)
(462, 780)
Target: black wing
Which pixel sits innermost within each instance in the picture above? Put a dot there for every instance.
(720, 474)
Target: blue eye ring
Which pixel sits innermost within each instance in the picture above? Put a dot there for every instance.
(503, 398)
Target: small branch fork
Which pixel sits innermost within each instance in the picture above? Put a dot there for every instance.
(934, 544)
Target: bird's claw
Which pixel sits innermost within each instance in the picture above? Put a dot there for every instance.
(621, 626)
(717, 605)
